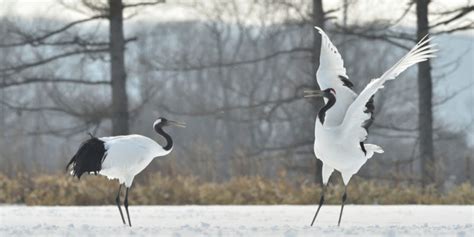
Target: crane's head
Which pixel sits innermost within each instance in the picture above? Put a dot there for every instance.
(320, 93)
(163, 122)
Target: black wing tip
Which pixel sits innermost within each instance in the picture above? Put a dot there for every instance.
(346, 82)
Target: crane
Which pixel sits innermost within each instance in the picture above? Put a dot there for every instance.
(341, 126)
(121, 157)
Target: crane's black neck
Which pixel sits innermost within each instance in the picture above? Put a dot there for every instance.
(331, 101)
(169, 142)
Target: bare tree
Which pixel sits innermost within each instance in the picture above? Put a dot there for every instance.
(69, 44)
(117, 69)
(425, 91)
(425, 84)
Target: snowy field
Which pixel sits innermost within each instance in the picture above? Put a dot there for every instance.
(410, 220)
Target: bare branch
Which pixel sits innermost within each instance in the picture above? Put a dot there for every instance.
(38, 40)
(21, 108)
(141, 4)
(460, 13)
(468, 26)
(35, 80)
(371, 35)
(453, 95)
(64, 132)
(78, 41)
(236, 63)
(403, 15)
(50, 59)
(451, 11)
(231, 108)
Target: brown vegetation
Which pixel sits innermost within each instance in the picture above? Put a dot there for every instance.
(157, 189)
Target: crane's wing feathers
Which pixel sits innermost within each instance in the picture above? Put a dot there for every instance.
(130, 150)
(421, 52)
(332, 74)
(358, 115)
(331, 59)
(331, 71)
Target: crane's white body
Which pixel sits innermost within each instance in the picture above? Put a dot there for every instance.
(337, 141)
(332, 150)
(128, 155)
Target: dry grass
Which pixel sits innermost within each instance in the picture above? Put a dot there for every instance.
(158, 190)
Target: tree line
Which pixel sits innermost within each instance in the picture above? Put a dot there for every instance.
(238, 83)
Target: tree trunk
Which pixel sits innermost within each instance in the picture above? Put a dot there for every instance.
(117, 69)
(318, 20)
(425, 116)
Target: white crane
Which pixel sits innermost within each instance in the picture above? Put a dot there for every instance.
(121, 157)
(342, 123)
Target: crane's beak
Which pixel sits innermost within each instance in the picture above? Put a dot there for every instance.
(313, 93)
(177, 124)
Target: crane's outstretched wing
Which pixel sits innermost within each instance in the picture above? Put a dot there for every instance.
(331, 71)
(356, 117)
(332, 74)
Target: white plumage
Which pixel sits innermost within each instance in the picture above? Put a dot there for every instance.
(121, 157)
(331, 69)
(129, 155)
(341, 125)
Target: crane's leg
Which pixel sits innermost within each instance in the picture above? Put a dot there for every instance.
(321, 201)
(117, 200)
(126, 207)
(344, 197)
(327, 171)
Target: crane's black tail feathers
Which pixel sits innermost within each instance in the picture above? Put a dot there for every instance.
(88, 158)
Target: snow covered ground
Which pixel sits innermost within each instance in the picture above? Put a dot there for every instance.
(408, 220)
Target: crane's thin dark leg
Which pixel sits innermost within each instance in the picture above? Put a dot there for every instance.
(117, 200)
(126, 207)
(344, 197)
(321, 201)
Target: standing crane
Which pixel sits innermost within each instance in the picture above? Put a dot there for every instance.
(341, 127)
(121, 157)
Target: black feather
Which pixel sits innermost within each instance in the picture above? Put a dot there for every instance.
(362, 146)
(88, 158)
(346, 82)
(369, 108)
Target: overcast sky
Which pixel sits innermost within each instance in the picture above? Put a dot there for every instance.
(173, 10)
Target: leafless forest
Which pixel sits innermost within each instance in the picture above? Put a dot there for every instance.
(235, 72)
